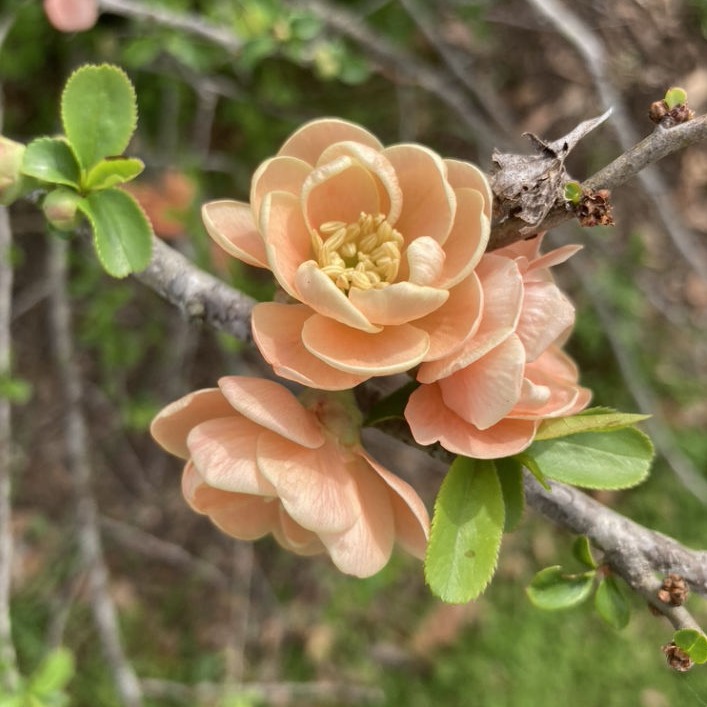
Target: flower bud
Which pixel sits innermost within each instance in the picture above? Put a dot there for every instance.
(12, 180)
(60, 209)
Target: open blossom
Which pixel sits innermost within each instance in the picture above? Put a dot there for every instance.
(261, 461)
(375, 245)
(487, 399)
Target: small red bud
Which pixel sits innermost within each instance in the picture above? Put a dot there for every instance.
(60, 209)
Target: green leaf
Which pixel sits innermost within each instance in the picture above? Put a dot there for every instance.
(596, 460)
(110, 172)
(54, 673)
(392, 406)
(573, 192)
(583, 552)
(552, 590)
(510, 475)
(466, 531)
(693, 642)
(592, 420)
(121, 232)
(99, 112)
(51, 160)
(16, 390)
(675, 96)
(611, 603)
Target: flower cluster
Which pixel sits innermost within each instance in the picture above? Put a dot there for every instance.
(381, 253)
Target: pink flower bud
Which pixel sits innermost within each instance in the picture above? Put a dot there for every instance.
(71, 15)
(60, 210)
(11, 179)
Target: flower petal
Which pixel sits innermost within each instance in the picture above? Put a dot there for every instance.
(319, 292)
(464, 175)
(545, 315)
(425, 261)
(396, 304)
(309, 141)
(173, 423)
(554, 257)
(432, 421)
(412, 522)
(287, 240)
(277, 174)
(467, 240)
(271, 405)
(293, 537)
(365, 547)
(390, 197)
(314, 486)
(240, 515)
(223, 452)
(487, 390)
(393, 350)
(277, 331)
(339, 191)
(231, 225)
(429, 202)
(455, 321)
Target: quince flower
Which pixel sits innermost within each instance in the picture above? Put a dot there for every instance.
(488, 398)
(376, 246)
(261, 461)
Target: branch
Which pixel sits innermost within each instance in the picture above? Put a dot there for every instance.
(659, 144)
(79, 465)
(634, 552)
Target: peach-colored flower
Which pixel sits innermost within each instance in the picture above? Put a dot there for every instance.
(261, 461)
(487, 399)
(376, 245)
(72, 15)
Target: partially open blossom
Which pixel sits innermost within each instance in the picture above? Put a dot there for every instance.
(261, 461)
(72, 15)
(487, 399)
(375, 246)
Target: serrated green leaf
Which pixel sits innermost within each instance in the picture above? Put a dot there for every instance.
(552, 589)
(510, 475)
(51, 160)
(596, 460)
(612, 603)
(466, 531)
(99, 112)
(592, 420)
(693, 642)
(111, 172)
(392, 406)
(54, 673)
(583, 552)
(529, 463)
(121, 232)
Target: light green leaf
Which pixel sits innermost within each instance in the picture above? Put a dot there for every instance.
(99, 112)
(51, 160)
(611, 603)
(121, 232)
(54, 673)
(693, 642)
(466, 531)
(583, 552)
(110, 172)
(551, 589)
(596, 460)
(510, 475)
(675, 96)
(573, 192)
(592, 420)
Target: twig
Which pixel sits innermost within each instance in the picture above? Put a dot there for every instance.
(594, 54)
(636, 553)
(199, 296)
(77, 445)
(184, 22)
(659, 144)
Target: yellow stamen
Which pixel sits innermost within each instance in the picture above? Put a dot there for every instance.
(365, 254)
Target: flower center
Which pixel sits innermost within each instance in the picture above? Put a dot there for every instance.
(364, 254)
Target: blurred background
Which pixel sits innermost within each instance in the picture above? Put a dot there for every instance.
(220, 85)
